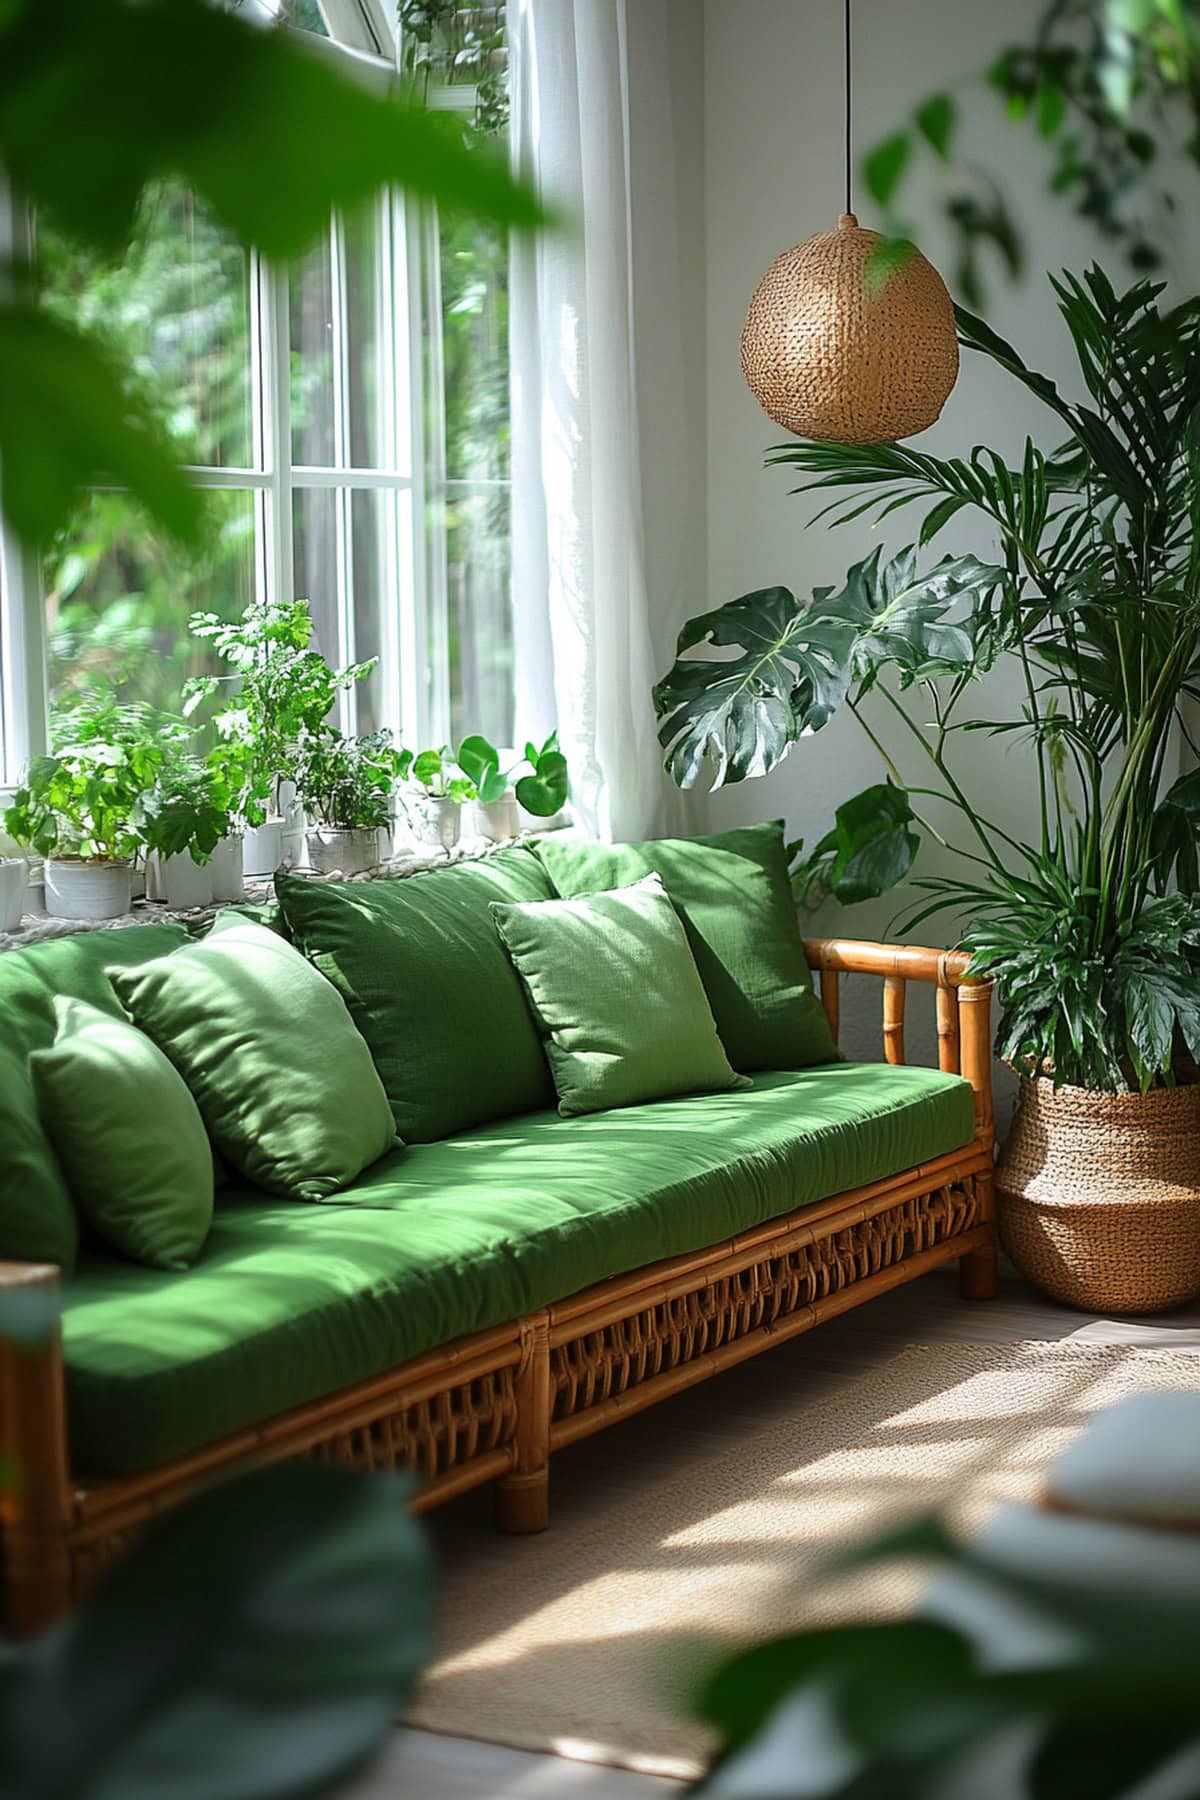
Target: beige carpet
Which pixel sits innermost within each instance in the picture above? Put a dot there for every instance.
(588, 1640)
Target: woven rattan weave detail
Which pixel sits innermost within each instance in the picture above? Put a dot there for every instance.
(831, 353)
(432, 1435)
(592, 1368)
(1099, 1196)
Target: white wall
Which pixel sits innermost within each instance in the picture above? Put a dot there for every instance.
(771, 174)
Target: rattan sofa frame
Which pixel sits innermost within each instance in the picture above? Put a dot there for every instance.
(496, 1405)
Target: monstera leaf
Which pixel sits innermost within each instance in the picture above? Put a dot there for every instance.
(870, 849)
(798, 659)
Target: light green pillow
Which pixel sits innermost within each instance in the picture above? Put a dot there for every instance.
(735, 899)
(616, 995)
(284, 1083)
(128, 1135)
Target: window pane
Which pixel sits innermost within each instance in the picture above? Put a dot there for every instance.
(118, 598)
(370, 447)
(378, 518)
(304, 15)
(176, 309)
(310, 285)
(315, 554)
(473, 260)
(479, 594)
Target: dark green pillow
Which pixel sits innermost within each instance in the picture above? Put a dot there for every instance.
(734, 897)
(420, 965)
(38, 1221)
(617, 998)
(128, 1135)
(284, 1083)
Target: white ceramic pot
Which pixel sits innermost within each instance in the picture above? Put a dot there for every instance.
(498, 820)
(87, 890)
(182, 883)
(14, 873)
(225, 866)
(262, 848)
(293, 844)
(436, 822)
(334, 849)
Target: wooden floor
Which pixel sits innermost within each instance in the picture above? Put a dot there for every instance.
(593, 1477)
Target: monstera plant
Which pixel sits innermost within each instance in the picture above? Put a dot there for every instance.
(1088, 583)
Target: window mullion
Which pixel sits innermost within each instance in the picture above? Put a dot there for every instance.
(271, 376)
(432, 514)
(388, 402)
(24, 687)
(343, 521)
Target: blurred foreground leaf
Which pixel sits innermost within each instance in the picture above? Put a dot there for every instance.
(255, 1644)
(99, 98)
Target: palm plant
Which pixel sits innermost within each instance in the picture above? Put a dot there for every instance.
(1093, 585)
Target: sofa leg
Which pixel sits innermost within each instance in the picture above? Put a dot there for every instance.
(523, 1501)
(977, 1273)
(35, 1507)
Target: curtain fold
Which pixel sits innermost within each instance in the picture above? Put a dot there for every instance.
(581, 621)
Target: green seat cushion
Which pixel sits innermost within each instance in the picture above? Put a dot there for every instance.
(420, 965)
(128, 1135)
(735, 899)
(38, 1221)
(617, 997)
(284, 1083)
(290, 1303)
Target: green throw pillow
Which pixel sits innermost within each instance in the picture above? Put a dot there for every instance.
(617, 997)
(419, 964)
(38, 1222)
(734, 897)
(283, 1081)
(128, 1135)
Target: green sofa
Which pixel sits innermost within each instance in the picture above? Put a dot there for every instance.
(477, 1299)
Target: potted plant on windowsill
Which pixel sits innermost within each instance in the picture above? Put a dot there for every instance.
(83, 809)
(542, 790)
(432, 801)
(1090, 924)
(346, 786)
(283, 689)
(189, 819)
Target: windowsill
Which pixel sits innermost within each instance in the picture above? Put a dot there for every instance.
(38, 927)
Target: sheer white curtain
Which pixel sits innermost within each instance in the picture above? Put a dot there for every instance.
(583, 647)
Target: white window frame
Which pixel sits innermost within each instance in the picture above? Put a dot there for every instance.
(367, 47)
(414, 675)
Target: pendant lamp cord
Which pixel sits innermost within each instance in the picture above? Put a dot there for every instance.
(846, 60)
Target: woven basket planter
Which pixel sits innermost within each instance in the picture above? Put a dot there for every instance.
(1099, 1196)
(831, 357)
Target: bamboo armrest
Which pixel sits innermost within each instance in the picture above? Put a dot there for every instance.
(911, 962)
(963, 1006)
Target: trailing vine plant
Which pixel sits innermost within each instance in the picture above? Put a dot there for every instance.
(1092, 583)
(444, 45)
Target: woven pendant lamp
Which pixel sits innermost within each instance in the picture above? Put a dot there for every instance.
(831, 353)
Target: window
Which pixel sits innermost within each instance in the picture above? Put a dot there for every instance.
(348, 417)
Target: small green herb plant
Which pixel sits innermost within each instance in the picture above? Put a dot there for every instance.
(434, 771)
(193, 806)
(87, 800)
(542, 791)
(349, 783)
(284, 690)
